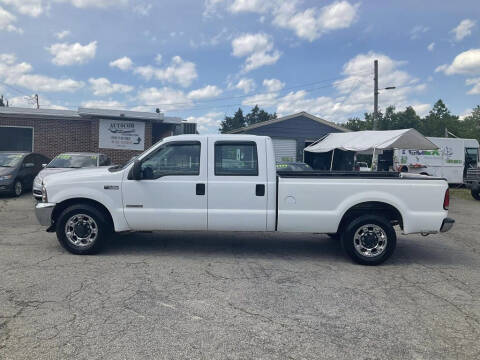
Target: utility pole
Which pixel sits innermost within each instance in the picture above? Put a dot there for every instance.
(375, 95)
(36, 100)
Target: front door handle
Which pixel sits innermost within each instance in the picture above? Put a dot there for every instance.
(260, 190)
(200, 189)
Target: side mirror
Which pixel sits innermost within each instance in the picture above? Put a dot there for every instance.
(44, 165)
(136, 171)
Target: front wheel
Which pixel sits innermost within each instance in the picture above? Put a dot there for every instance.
(17, 188)
(369, 239)
(475, 194)
(82, 229)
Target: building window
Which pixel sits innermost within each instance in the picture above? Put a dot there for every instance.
(16, 138)
(236, 158)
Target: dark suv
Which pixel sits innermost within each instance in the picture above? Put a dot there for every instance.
(18, 169)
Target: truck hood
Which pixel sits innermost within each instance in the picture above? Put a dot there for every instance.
(82, 176)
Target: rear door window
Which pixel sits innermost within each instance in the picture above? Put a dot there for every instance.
(235, 158)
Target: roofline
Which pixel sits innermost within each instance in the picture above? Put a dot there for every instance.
(283, 118)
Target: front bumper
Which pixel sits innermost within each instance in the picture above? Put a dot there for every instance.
(43, 211)
(6, 187)
(447, 224)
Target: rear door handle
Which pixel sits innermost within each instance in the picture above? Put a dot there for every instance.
(260, 190)
(200, 189)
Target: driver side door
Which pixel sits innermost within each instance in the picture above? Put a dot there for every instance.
(172, 192)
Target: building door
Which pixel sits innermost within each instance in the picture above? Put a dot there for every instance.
(16, 138)
(285, 149)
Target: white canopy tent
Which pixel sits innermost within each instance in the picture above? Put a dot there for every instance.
(370, 141)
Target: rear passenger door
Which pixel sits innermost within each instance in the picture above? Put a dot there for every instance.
(237, 180)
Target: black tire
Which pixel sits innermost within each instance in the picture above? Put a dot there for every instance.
(475, 194)
(353, 245)
(84, 212)
(17, 188)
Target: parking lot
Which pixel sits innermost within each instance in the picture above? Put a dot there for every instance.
(184, 295)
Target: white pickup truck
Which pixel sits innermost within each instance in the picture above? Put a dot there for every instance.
(230, 183)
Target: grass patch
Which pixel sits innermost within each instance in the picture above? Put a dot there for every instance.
(461, 194)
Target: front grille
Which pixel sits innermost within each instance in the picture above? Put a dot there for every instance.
(473, 174)
(37, 192)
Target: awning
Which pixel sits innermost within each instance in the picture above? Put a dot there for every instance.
(363, 141)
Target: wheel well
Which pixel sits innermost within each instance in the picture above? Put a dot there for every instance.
(372, 207)
(64, 204)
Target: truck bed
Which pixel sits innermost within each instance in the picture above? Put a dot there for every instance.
(354, 175)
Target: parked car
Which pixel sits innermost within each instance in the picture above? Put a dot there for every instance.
(230, 183)
(362, 166)
(293, 166)
(18, 169)
(67, 162)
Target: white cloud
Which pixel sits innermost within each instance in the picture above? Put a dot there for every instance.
(29, 102)
(417, 31)
(62, 34)
(100, 104)
(211, 7)
(258, 48)
(310, 23)
(431, 46)
(103, 86)
(32, 8)
(467, 62)
(353, 92)
(142, 8)
(6, 21)
(422, 109)
(208, 123)
(207, 92)
(463, 29)
(124, 63)
(273, 85)
(70, 54)
(158, 59)
(475, 90)
(247, 85)
(94, 3)
(179, 71)
(14, 73)
(167, 99)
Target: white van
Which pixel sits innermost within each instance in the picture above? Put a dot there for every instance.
(449, 161)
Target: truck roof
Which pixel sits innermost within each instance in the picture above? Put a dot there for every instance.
(240, 137)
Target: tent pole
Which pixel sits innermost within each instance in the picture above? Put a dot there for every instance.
(331, 162)
(373, 160)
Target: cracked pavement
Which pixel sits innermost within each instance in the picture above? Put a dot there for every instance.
(186, 295)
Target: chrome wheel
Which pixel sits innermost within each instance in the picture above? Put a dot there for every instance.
(81, 230)
(18, 188)
(370, 240)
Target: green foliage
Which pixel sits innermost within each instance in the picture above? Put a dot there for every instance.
(434, 124)
(238, 120)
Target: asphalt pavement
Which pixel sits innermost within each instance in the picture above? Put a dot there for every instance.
(187, 295)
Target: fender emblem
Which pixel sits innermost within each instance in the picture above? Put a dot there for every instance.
(111, 187)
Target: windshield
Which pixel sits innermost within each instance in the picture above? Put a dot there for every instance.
(10, 160)
(73, 161)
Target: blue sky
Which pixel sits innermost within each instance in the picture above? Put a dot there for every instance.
(203, 59)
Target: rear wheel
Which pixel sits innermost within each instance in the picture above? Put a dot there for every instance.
(369, 239)
(476, 194)
(82, 229)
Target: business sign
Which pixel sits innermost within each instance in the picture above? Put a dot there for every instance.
(121, 135)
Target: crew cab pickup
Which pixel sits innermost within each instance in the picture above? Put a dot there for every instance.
(230, 183)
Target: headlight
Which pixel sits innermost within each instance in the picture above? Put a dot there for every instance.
(44, 194)
(5, 177)
(38, 181)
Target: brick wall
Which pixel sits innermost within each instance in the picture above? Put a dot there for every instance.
(54, 136)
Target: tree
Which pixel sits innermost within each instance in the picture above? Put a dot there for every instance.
(439, 119)
(355, 124)
(471, 125)
(232, 123)
(256, 115)
(2, 103)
